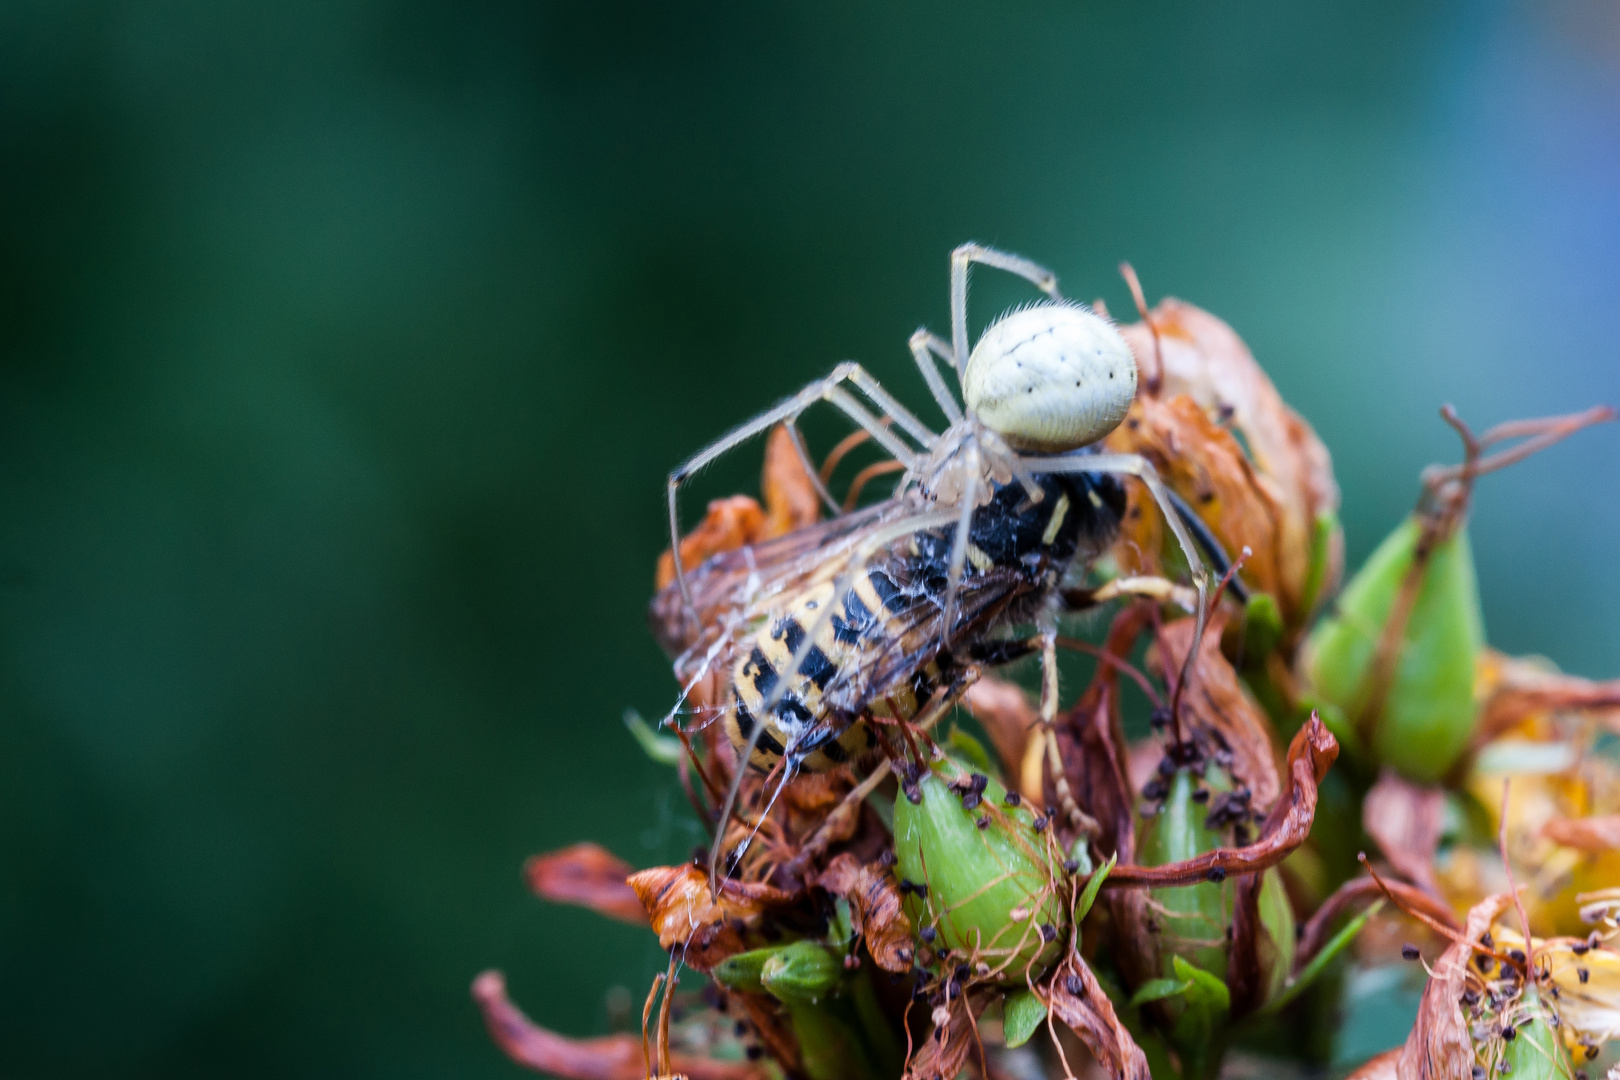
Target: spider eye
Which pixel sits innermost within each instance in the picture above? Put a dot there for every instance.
(1050, 378)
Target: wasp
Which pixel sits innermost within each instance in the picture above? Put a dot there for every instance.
(867, 616)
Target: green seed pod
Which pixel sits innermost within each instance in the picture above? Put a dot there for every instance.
(1427, 714)
(1535, 1052)
(742, 971)
(1193, 918)
(988, 891)
(802, 973)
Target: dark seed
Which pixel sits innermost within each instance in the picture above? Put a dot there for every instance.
(741, 1028)
(971, 800)
(983, 823)
(1013, 798)
(1582, 974)
(1478, 1072)
(1516, 955)
(1074, 985)
(1410, 952)
(928, 934)
(1509, 1033)
(755, 1053)
(1580, 948)
(1201, 795)
(1048, 932)
(978, 782)
(1217, 874)
(1485, 964)
(1072, 865)
(961, 971)
(1470, 997)
(1167, 768)
(1155, 789)
(1160, 717)
(1486, 940)
(1039, 823)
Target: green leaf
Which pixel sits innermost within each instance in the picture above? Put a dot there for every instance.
(664, 749)
(1158, 990)
(1206, 987)
(1327, 523)
(1300, 982)
(1020, 1016)
(1089, 895)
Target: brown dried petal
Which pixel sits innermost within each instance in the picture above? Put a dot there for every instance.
(1440, 1047)
(1204, 358)
(1588, 834)
(1205, 465)
(1090, 1015)
(1285, 828)
(613, 1057)
(729, 524)
(1216, 701)
(1405, 820)
(1516, 690)
(590, 876)
(684, 914)
(791, 500)
(946, 1051)
(1007, 716)
(874, 904)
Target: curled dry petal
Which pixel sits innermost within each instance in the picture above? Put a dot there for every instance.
(1007, 715)
(1406, 819)
(590, 876)
(1199, 355)
(1087, 1012)
(1204, 464)
(1440, 1047)
(946, 1050)
(1588, 833)
(1354, 895)
(1284, 829)
(730, 523)
(874, 903)
(612, 1057)
(678, 902)
(1217, 702)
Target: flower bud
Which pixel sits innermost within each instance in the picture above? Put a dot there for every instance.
(801, 973)
(978, 873)
(1423, 719)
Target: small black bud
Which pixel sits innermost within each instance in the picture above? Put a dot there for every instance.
(1486, 940)
(1580, 948)
(1072, 865)
(1074, 985)
(1516, 955)
(1582, 974)
(978, 782)
(1013, 798)
(1159, 718)
(1155, 789)
(983, 823)
(1048, 932)
(1167, 767)
(1201, 795)
(1039, 823)
(971, 800)
(1409, 951)
(1509, 1033)
(928, 934)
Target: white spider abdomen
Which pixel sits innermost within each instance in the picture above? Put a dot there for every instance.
(1050, 378)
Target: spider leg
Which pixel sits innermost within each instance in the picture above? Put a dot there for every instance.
(924, 347)
(959, 543)
(827, 389)
(841, 593)
(1037, 275)
(1140, 467)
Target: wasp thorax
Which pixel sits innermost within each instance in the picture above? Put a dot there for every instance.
(1050, 378)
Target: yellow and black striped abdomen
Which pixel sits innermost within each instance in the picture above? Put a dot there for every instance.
(817, 721)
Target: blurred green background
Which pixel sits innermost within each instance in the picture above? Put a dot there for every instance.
(346, 346)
